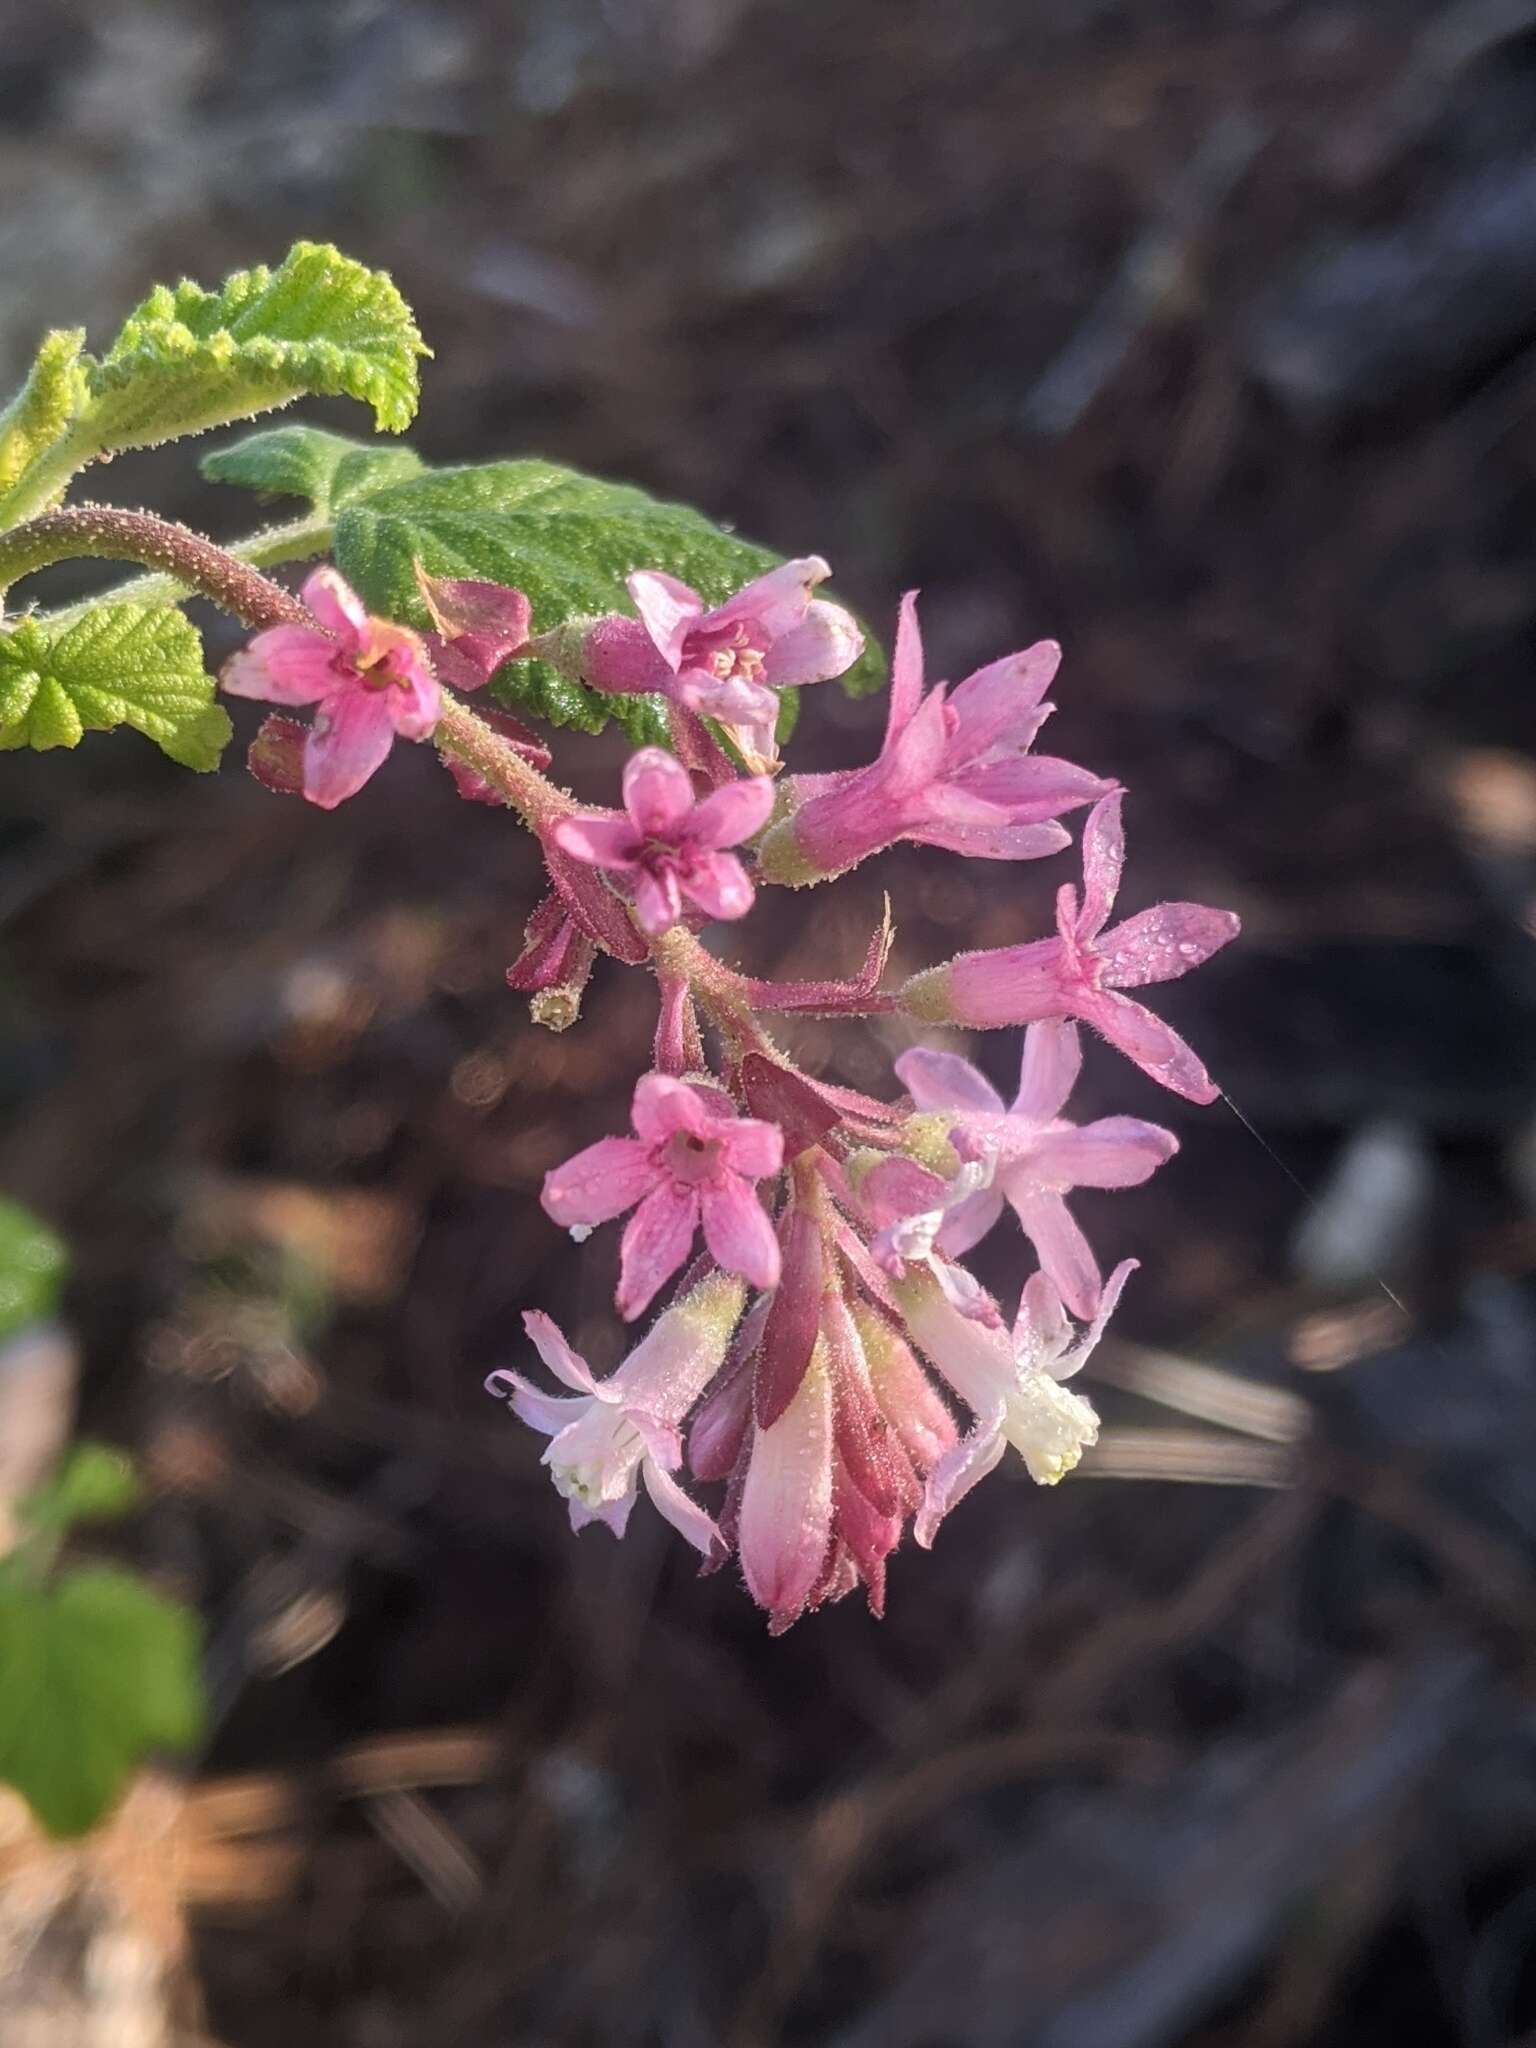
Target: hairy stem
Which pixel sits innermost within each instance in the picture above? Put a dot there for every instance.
(114, 534)
(297, 541)
(469, 739)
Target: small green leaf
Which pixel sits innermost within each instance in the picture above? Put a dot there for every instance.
(100, 1670)
(565, 539)
(319, 325)
(95, 1484)
(306, 462)
(55, 393)
(117, 664)
(33, 1263)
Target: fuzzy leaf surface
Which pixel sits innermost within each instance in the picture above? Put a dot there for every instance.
(117, 664)
(307, 462)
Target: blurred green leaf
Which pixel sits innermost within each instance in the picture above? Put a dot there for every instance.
(96, 1483)
(99, 1671)
(33, 1263)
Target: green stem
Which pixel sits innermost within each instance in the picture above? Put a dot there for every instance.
(470, 740)
(298, 541)
(112, 533)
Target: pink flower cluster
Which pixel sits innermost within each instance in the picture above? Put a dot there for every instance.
(825, 1359)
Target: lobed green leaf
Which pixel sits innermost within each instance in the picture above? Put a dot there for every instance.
(55, 393)
(320, 325)
(117, 664)
(306, 462)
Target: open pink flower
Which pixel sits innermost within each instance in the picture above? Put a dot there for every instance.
(730, 662)
(367, 678)
(1032, 1157)
(692, 1160)
(668, 848)
(955, 771)
(1080, 972)
(626, 1427)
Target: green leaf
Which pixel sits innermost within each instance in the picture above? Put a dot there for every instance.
(96, 1483)
(100, 1670)
(306, 462)
(55, 393)
(33, 1263)
(566, 539)
(319, 325)
(117, 664)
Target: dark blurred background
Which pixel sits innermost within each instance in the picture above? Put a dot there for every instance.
(1201, 336)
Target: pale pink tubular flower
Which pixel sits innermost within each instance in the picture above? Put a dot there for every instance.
(368, 679)
(692, 1160)
(955, 771)
(1031, 1157)
(1013, 1388)
(667, 848)
(728, 663)
(625, 1428)
(1081, 972)
(784, 1529)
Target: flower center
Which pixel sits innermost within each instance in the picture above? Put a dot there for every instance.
(691, 1159)
(734, 657)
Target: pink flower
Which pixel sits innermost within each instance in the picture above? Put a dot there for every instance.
(955, 771)
(692, 1161)
(367, 678)
(1012, 1387)
(731, 662)
(1081, 971)
(668, 847)
(479, 626)
(1033, 1158)
(627, 1427)
(784, 1530)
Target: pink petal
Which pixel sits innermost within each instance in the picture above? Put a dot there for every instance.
(415, 703)
(598, 1183)
(906, 669)
(992, 841)
(336, 605)
(752, 1147)
(619, 656)
(774, 602)
(1000, 705)
(1115, 1152)
(968, 1222)
(942, 1080)
(898, 1187)
(662, 1105)
(1034, 787)
(547, 1413)
(737, 1230)
(1163, 943)
(786, 1503)
(655, 1243)
(668, 611)
(826, 643)
(607, 840)
(719, 885)
(1154, 1046)
(658, 793)
(284, 665)
(1064, 1253)
(1041, 1330)
(685, 1515)
(568, 1366)
(794, 1318)
(348, 742)
(735, 812)
(1048, 1071)
(658, 898)
(965, 1465)
(1103, 863)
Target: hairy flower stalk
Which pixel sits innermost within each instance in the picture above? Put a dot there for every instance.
(825, 1363)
